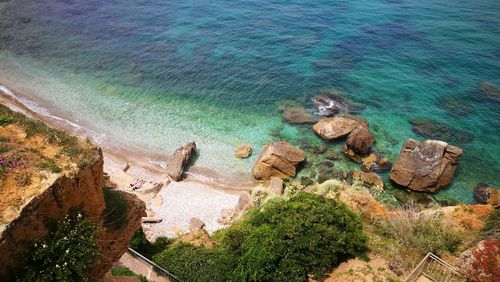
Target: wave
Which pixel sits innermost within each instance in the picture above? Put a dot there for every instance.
(44, 112)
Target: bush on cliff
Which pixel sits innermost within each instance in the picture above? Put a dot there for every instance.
(66, 254)
(283, 240)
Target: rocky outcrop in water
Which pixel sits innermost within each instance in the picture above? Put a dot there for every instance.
(360, 140)
(279, 159)
(373, 162)
(425, 166)
(330, 129)
(333, 102)
(179, 161)
(484, 194)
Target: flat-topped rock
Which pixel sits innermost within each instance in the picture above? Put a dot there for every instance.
(179, 160)
(278, 159)
(425, 166)
(330, 129)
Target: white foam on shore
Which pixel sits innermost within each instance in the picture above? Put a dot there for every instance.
(42, 111)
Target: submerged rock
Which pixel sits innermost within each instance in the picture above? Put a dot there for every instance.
(330, 129)
(425, 166)
(491, 90)
(455, 106)
(279, 159)
(243, 151)
(297, 115)
(360, 140)
(484, 194)
(374, 162)
(332, 102)
(432, 129)
(179, 160)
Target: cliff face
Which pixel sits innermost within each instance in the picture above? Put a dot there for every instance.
(44, 173)
(113, 243)
(81, 188)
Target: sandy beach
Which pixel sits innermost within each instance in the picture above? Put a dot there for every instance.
(204, 193)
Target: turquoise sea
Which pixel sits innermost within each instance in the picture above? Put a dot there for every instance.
(156, 74)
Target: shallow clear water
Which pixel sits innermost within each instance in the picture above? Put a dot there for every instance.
(160, 73)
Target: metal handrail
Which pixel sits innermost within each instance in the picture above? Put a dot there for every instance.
(158, 269)
(432, 266)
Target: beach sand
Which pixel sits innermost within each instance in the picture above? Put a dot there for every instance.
(203, 194)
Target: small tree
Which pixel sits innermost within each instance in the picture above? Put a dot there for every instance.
(67, 253)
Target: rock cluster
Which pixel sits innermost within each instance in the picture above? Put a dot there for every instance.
(179, 160)
(359, 138)
(425, 166)
(278, 159)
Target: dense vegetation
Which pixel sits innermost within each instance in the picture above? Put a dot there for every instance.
(283, 240)
(66, 254)
(123, 271)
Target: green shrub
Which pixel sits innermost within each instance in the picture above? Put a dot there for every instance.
(116, 211)
(192, 263)
(140, 244)
(283, 240)
(123, 271)
(67, 253)
(5, 120)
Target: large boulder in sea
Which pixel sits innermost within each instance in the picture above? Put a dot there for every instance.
(330, 129)
(425, 166)
(360, 140)
(278, 159)
(179, 160)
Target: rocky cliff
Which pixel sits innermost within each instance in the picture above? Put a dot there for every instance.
(44, 173)
(82, 188)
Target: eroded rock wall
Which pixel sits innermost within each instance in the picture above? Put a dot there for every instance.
(82, 188)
